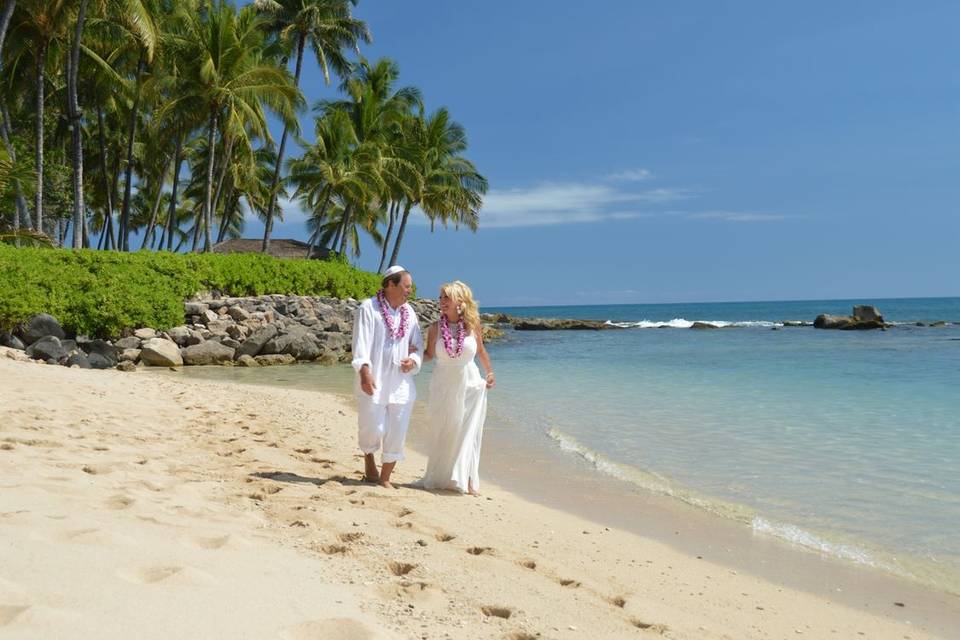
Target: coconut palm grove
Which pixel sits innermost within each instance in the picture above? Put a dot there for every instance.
(134, 125)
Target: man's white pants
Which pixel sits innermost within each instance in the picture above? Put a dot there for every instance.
(383, 423)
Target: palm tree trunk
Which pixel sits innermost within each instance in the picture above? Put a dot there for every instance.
(8, 7)
(386, 238)
(124, 238)
(268, 226)
(403, 226)
(20, 211)
(108, 213)
(172, 213)
(344, 236)
(153, 212)
(208, 200)
(233, 199)
(38, 133)
(73, 110)
(223, 173)
(316, 236)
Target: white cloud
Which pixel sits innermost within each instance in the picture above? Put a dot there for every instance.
(631, 175)
(569, 203)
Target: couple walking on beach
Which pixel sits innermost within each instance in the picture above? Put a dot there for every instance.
(388, 350)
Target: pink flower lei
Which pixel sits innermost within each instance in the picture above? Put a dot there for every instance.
(400, 331)
(448, 338)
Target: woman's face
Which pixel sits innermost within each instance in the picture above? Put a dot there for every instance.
(447, 304)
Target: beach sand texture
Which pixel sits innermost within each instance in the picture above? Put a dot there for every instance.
(139, 506)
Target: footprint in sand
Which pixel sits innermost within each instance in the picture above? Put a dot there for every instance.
(528, 564)
(497, 612)
(522, 635)
(167, 574)
(331, 629)
(334, 549)
(401, 568)
(445, 537)
(648, 626)
(119, 502)
(404, 513)
(10, 612)
(351, 537)
(618, 601)
(227, 541)
(94, 536)
(480, 551)
(566, 582)
(97, 469)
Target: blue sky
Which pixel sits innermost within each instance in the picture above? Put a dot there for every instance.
(702, 151)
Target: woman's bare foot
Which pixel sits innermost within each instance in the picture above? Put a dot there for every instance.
(386, 484)
(473, 492)
(370, 472)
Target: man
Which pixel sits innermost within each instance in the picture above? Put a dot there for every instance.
(387, 348)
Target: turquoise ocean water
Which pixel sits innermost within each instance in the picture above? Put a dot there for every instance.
(846, 443)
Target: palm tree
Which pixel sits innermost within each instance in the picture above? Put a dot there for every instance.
(448, 186)
(40, 27)
(329, 28)
(5, 15)
(234, 76)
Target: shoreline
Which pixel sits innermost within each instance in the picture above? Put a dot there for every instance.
(516, 467)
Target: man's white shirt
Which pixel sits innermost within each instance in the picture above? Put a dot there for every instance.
(373, 346)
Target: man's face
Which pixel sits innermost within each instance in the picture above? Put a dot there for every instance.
(398, 293)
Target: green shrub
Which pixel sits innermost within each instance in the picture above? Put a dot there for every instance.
(100, 293)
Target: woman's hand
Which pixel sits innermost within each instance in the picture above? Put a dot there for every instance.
(491, 380)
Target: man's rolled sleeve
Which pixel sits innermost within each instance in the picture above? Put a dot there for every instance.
(362, 338)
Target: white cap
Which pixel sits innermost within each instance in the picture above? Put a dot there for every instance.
(393, 270)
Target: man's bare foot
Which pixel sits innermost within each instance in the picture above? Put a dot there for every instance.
(370, 471)
(386, 484)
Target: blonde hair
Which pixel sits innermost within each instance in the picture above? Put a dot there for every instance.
(462, 296)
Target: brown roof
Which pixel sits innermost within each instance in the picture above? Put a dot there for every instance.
(279, 248)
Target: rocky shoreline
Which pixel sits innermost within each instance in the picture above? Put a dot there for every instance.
(279, 329)
(249, 332)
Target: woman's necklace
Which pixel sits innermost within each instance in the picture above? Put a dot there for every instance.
(453, 352)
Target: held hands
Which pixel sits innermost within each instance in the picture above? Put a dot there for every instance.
(407, 364)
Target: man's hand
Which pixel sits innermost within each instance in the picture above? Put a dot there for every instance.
(407, 365)
(366, 381)
(413, 348)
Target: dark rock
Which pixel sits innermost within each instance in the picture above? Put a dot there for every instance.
(41, 326)
(78, 359)
(12, 341)
(550, 324)
(194, 308)
(98, 361)
(256, 340)
(827, 321)
(47, 348)
(104, 349)
(703, 325)
(127, 366)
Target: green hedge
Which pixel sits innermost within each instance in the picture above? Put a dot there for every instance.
(99, 293)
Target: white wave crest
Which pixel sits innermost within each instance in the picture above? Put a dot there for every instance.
(808, 540)
(682, 323)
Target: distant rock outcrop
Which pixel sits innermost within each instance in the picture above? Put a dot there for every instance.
(863, 317)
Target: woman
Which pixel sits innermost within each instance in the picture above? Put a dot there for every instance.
(458, 395)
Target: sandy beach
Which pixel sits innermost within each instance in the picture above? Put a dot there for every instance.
(134, 505)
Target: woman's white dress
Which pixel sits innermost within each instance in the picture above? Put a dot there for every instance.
(458, 407)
